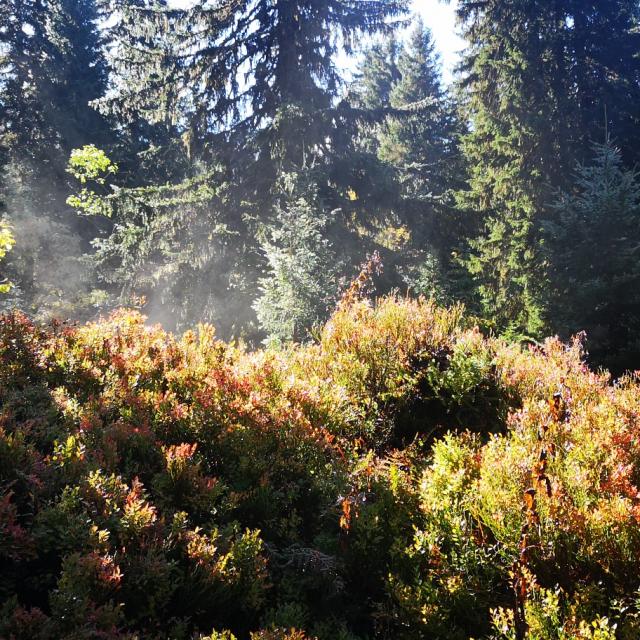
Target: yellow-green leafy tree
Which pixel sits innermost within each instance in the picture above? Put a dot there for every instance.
(6, 244)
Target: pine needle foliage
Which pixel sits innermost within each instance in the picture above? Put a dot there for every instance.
(593, 246)
(302, 281)
(238, 63)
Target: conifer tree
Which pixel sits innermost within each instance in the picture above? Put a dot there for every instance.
(246, 66)
(182, 247)
(422, 146)
(592, 243)
(302, 282)
(510, 119)
(54, 69)
(377, 75)
(252, 90)
(424, 149)
(417, 144)
(540, 76)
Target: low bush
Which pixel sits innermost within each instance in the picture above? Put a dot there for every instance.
(401, 477)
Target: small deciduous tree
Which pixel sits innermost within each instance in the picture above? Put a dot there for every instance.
(6, 243)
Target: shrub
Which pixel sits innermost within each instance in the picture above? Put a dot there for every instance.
(403, 476)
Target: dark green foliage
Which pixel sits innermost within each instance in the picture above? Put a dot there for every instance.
(592, 243)
(53, 68)
(540, 77)
(250, 89)
(302, 277)
(509, 121)
(185, 248)
(416, 145)
(378, 74)
(246, 64)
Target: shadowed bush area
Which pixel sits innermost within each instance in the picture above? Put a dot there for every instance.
(401, 477)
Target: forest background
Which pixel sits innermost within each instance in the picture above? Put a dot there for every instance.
(236, 162)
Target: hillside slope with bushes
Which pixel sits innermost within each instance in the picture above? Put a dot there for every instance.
(401, 477)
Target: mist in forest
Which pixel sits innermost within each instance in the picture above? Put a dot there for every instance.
(236, 164)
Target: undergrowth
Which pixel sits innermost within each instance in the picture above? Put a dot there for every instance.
(401, 477)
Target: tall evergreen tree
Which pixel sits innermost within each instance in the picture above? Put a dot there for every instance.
(540, 80)
(424, 149)
(246, 65)
(53, 69)
(377, 75)
(302, 273)
(416, 149)
(602, 45)
(252, 89)
(592, 243)
(511, 120)
(422, 146)
(182, 247)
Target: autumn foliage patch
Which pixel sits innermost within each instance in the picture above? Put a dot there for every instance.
(403, 476)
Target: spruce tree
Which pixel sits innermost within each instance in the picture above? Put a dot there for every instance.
(181, 247)
(301, 282)
(602, 41)
(592, 244)
(54, 68)
(422, 146)
(253, 91)
(377, 75)
(416, 144)
(510, 119)
(539, 80)
(246, 66)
